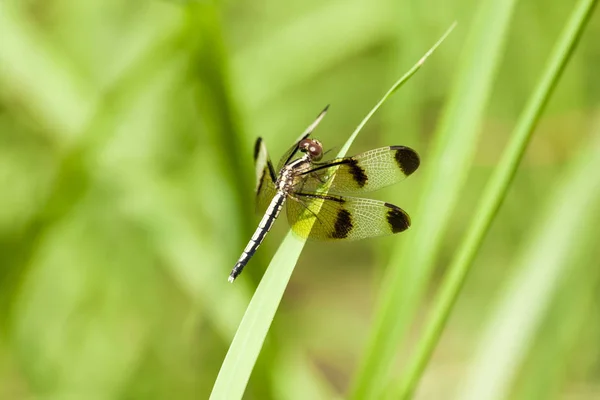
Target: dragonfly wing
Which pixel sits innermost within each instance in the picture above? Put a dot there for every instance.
(330, 217)
(364, 172)
(265, 176)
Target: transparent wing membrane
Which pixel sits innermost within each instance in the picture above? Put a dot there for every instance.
(364, 172)
(328, 217)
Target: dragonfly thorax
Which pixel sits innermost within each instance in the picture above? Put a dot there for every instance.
(289, 174)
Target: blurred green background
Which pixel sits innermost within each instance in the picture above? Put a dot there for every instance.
(126, 179)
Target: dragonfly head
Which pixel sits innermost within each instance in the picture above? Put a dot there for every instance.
(313, 147)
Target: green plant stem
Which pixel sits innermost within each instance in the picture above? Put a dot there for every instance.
(393, 89)
(443, 174)
(494, 195)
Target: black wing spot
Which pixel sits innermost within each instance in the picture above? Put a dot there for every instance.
(406, 158)
(399, 220)
(343, 225)
(358, 173)
(257, 147)
(260, 182)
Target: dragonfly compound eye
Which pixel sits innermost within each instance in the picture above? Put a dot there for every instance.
(312, 147)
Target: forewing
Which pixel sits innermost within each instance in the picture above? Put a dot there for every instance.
(265, 176)
(329, 217)
(364, 172)
(292, 150)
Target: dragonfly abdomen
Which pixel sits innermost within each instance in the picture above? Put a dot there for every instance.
(263, 228)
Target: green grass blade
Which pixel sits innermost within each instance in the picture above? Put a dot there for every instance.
(540, 269)
(566, 327)
(247, 343)
(494, 195)
(393, 89)
(446, 169)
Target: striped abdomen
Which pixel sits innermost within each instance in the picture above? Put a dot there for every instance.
(263, 227)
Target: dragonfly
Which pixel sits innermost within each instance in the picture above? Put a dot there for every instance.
(316, 193)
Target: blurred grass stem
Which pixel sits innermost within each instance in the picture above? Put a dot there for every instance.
(494, 195)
